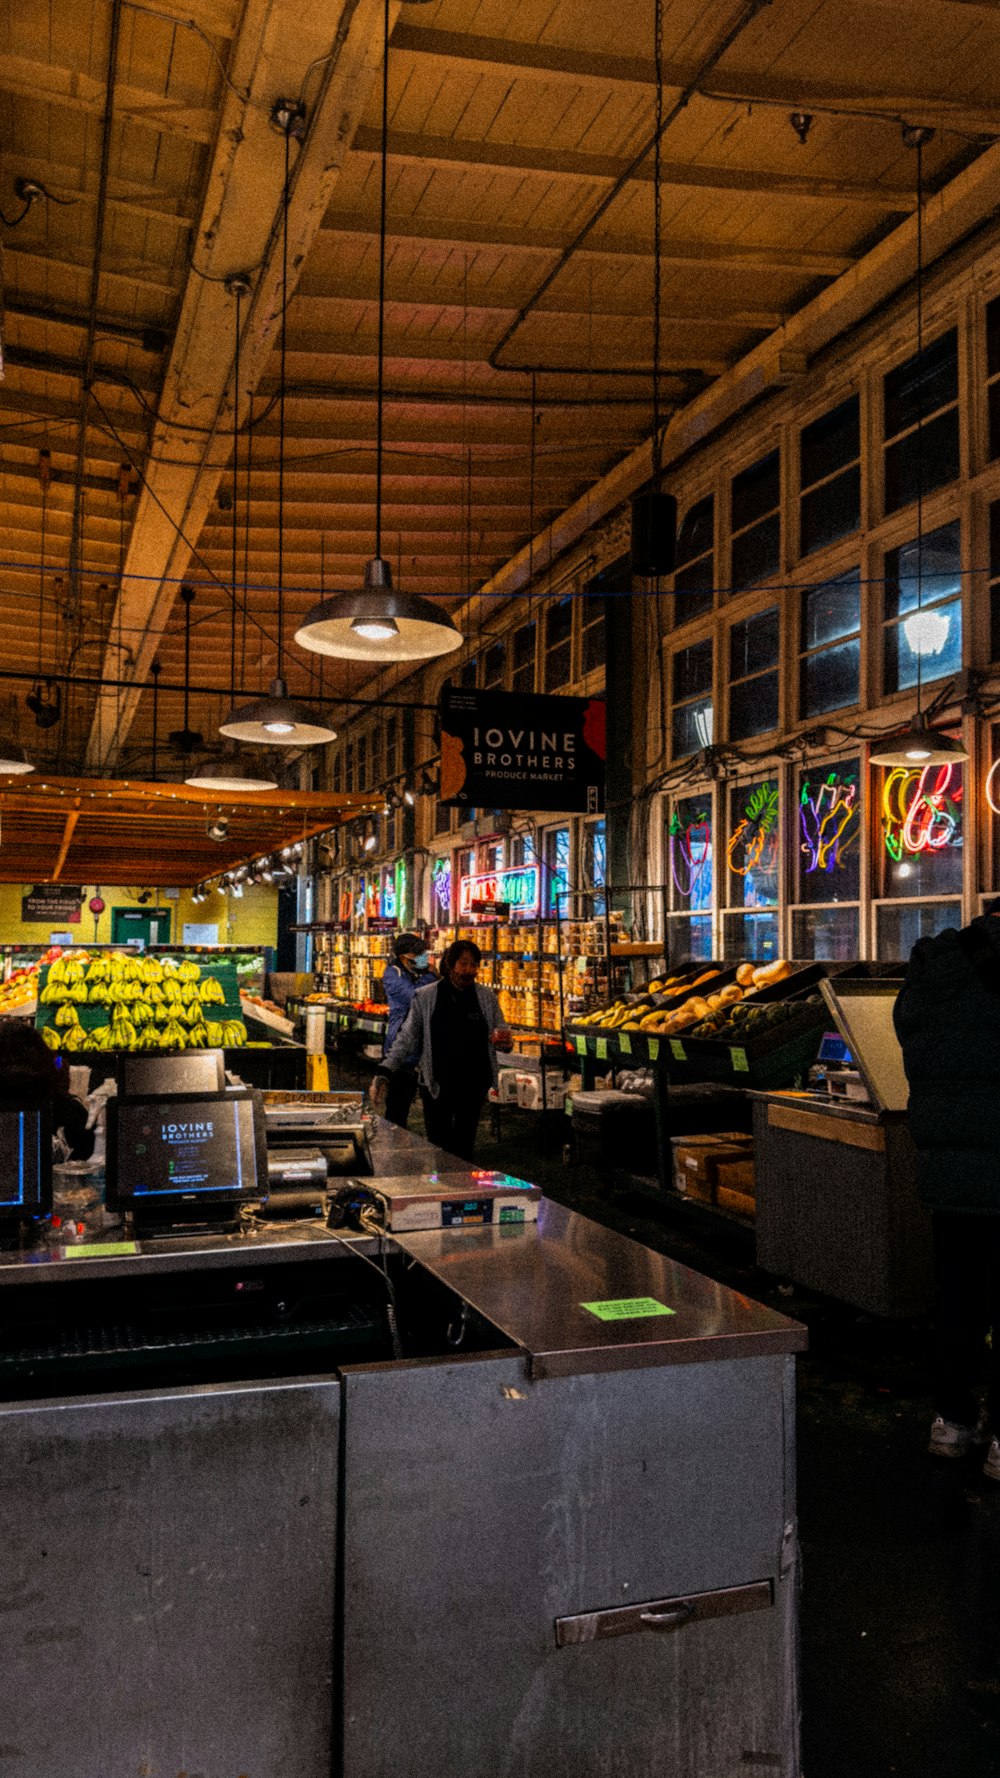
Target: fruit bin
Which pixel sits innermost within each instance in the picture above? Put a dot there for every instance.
(107, 990)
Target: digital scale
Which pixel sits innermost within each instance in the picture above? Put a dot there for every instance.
(456, 1200)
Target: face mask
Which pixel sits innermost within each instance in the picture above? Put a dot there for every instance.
(421, 962)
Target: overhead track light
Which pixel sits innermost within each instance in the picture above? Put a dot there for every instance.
(379, 623)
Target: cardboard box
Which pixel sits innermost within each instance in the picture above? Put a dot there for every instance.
(704, 1164)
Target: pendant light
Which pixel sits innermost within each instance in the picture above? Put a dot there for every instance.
(230, 772)
(379, 623)
(279, 720)
(920, 745)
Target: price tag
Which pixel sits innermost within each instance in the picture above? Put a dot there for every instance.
(602, 1049)
(677, 1050)
(654, 1048)
(581, 1045)
(740, 1063)
(625, 1043)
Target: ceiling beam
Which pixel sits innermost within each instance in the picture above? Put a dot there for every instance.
(509, 59)
(506, 157)
(74, 89)
(239, 229)
(362, 288)
(462, 233)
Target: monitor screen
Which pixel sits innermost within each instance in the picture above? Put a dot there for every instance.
(187, 1150)
(834, 1049)
(25, 1161)
(196, 1071)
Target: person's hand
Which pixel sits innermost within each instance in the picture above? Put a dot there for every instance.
(377, 1090)
(501, 1038)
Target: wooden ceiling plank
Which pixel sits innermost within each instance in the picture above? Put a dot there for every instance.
(568, 164)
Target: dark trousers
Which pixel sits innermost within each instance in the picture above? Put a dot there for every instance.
(451, 1119)
(967, 1274)
(399, 1095)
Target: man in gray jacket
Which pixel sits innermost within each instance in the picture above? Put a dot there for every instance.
(454, 1028)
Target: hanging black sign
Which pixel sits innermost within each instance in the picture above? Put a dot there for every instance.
(51, 903)
(514, 750)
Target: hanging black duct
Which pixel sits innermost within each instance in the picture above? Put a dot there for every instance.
(654, 534)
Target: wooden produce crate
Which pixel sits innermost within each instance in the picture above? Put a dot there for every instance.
(716, 1169)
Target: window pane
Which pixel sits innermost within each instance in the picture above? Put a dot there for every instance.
(558, 666)
(689, 938)
(926, 381)
(751, 935)
(829, 836)
(559, 622)
(693, 589)
(467, 673)
(756, 491)
(753, 644)
(930, 455)
(752, 854)
(831, 679)
(993, 337)
(523, 675)
(993, 397)
(832, 610)
(493, 666)
(692, 727)
(898, 929)
(905, 643)
(693, 670)
(830, 442)
(689, 853)
(757, 553)
(830, 511)
(828, 934)
(594, 647)
(753, 707)
(922, 830)
(697, 531)
(916, 577)
(556, 856)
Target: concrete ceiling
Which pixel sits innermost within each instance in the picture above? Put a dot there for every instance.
(519, 288)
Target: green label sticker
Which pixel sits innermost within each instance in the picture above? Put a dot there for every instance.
(602, 1049)
(677, 1050)
(625, 1043)
(740, 1063)
(654, 1048)
(581, 1045)
(100, 1249)
(568, 1106)
(627, 1308)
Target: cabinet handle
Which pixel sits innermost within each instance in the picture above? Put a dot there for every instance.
(667, 1620)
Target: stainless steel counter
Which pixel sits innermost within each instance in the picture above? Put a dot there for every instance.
(533, 1283)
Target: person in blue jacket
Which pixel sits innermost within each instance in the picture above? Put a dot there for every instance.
(410, 970)
(947, 1018)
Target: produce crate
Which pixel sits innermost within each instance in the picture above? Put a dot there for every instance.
(771, 1058)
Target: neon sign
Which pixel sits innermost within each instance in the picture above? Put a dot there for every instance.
(518, 888)
(830, 816)
(757, 833)
(441, 886)
(691, 854)
(921, 810)
(990, 790)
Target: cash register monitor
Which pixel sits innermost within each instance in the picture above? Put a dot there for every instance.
(196, 1071)
(189, 1159)
(25, 1162)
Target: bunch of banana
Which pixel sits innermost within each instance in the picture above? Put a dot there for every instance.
(52, 1038)
(214, 1034)
(141, 1014)
(211, 992)
(98, 971)
(151, 970)
(174, 1036)
(123, 1030)
(189, 972)
(53, 993)
(97, 994)
(75, 972)
(75, 1038)
(116, 969)
(193, 1015)
(67, 1014)
(154, 994)
(188, 993)
(234, 1034)
(172, 993)
(162, 1015)
(57, 970)
(196, 1039)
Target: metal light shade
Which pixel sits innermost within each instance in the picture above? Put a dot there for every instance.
(918, 745)
(378, 623)
(276, 721)
(14, 762)
(229, 773)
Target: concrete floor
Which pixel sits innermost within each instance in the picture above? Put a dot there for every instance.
(901, 1553)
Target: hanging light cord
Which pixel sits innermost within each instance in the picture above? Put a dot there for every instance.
(920, 401)
(657, 227)
(44, 473)
(281, 404)
(381, 280)
(236, 448)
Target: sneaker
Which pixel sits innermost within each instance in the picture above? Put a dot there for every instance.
(991, 1467)
(949, 1439)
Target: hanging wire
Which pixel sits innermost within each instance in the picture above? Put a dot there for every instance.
(657, 237)
(383, 182)
(281, 403)
(238, 291)
(44, 477)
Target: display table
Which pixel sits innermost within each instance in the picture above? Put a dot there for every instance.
(542, 1541)
(837, 1204)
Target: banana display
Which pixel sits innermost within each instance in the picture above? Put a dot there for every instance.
(701, 1015)
(146, 1003)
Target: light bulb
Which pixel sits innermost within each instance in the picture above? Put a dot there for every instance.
(375, 629)
(279, 728)
(927, 631)
(918, 753)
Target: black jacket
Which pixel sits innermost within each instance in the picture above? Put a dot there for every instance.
(947, 1019)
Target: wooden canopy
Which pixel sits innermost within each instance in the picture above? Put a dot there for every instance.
(95, 830)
